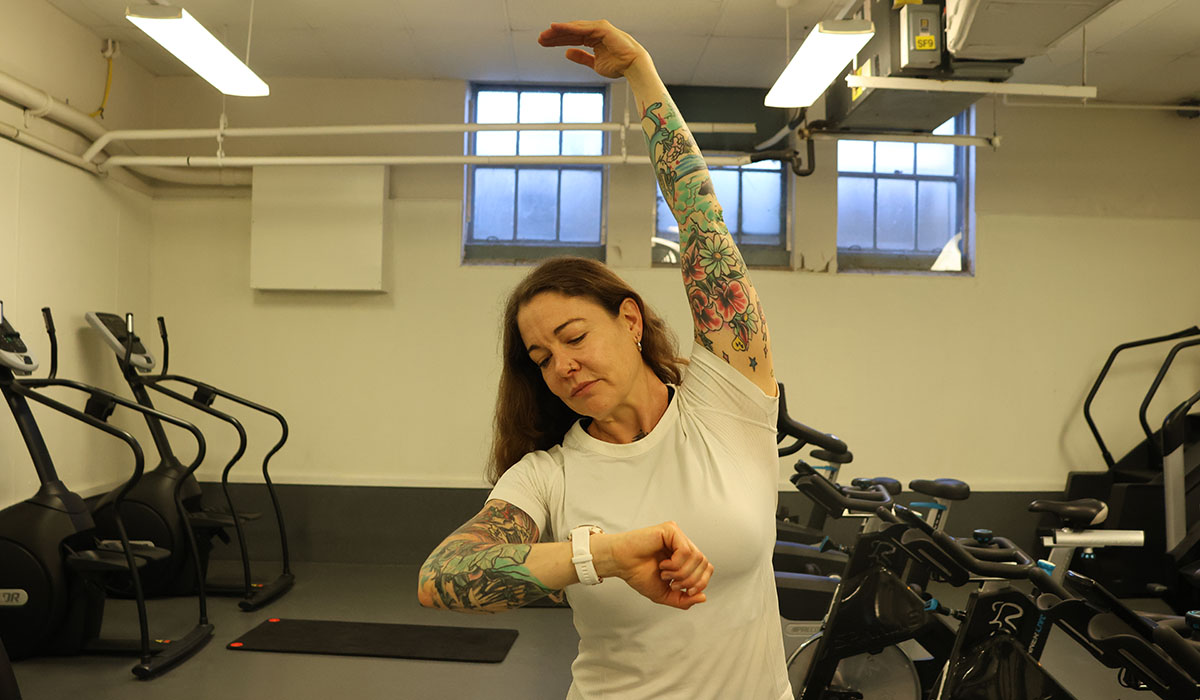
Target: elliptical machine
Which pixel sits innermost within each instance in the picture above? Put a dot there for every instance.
(53, 568)
(158, 520)
(1152, 488)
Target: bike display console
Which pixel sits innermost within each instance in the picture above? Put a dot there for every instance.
(114, 331)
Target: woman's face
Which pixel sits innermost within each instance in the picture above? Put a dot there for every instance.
(587, 358)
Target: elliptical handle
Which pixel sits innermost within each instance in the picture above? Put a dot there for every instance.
(1158, 378)
(1112, 356)
(53, 341)
(128, 339)
(162, 333)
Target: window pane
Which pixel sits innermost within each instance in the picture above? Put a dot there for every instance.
(496, 107)
(760, 202)
(539, 108)
(582, 143)
(856, 212)
(492, 215)
(667, 226)
(583, 107)
(897, 206)
(856, 156)
(495, 143)
(580, 207)
(762, 165)
(539, 143)
(935, 159)
(935, 214)
(725, 183)
(537, 200)
(946, 128)
(894, 158)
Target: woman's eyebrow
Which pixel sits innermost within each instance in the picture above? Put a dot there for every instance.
(557, 330)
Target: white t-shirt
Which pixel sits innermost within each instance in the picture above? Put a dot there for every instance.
(711, 466)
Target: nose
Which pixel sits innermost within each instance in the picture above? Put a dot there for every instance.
(564, 365)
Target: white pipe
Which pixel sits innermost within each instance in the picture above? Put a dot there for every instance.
(39, 102)
(250, 161)
(1091, 104)
(9, 131)
(971, 86)
(953, 140)
(354, 130)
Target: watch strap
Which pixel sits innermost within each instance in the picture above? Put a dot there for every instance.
(581, 554)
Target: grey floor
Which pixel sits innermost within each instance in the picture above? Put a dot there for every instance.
(538, 665)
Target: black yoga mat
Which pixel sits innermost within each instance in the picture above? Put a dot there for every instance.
(378, 639)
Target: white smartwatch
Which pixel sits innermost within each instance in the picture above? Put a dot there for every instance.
(581, 553)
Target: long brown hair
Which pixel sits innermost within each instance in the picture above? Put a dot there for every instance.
(528, 416)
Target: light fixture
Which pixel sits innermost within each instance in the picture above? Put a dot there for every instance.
(190, 42)
(819, 60)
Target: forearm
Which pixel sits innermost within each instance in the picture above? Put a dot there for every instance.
(468, 576)
(678, 163)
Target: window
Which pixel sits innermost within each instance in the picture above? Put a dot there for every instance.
(900, 205)
(527, 212)
(754, 200)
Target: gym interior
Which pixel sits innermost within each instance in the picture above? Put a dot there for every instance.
(1081, 234)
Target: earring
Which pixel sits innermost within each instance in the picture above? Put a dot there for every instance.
(639, 344)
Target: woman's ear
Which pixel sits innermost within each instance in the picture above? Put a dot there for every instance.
(631, 314)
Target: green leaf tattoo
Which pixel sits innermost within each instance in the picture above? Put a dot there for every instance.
(481, 567)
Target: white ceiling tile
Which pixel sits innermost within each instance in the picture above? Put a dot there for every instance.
(1169, 32)
(740, 63)
(476, 53)
(638, 17)
(756, 18)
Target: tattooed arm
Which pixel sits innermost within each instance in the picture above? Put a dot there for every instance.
(726, 313)
(488, 565)
(495, 563)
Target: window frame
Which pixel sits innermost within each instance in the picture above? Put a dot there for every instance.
(756, 255)
(854, 259)
(524, 251)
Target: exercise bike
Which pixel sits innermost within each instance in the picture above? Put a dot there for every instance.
(54, 569)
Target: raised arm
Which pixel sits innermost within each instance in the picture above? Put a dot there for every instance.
(495, 563)
(726, 313)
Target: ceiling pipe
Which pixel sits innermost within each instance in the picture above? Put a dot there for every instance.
(1092, 104)
(376, 129)
(40, 104)
(251, 161)
(13, 133)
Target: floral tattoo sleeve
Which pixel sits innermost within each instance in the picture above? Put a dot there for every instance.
(725, 307)
(481, 567)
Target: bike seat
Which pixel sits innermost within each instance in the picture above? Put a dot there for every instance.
(949, 489)
(892, 485)
(1076, 515)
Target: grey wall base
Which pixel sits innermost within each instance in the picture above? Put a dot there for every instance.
(384, 525)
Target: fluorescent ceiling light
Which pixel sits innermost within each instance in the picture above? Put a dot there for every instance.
(819, 60)
(182, 35)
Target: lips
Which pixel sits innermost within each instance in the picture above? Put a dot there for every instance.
(581, 387)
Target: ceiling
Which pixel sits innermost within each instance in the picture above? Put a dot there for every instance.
(1138, 50)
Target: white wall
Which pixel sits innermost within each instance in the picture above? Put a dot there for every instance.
(1083, 242)
(70, 241)
(74, 243)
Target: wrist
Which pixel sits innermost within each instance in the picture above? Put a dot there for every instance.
(602, 556)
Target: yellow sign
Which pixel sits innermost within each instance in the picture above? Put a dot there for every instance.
(863, 70)
(926, 43)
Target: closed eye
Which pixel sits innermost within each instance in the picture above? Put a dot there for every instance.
(576, 341)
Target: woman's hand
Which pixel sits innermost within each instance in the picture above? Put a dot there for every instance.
(613, 51)
(660, 562)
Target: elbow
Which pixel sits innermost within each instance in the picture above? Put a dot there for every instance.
(425, 589)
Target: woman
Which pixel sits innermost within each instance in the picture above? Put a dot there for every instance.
(608, 466)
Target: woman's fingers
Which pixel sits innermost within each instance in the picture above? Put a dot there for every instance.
(581, 57)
